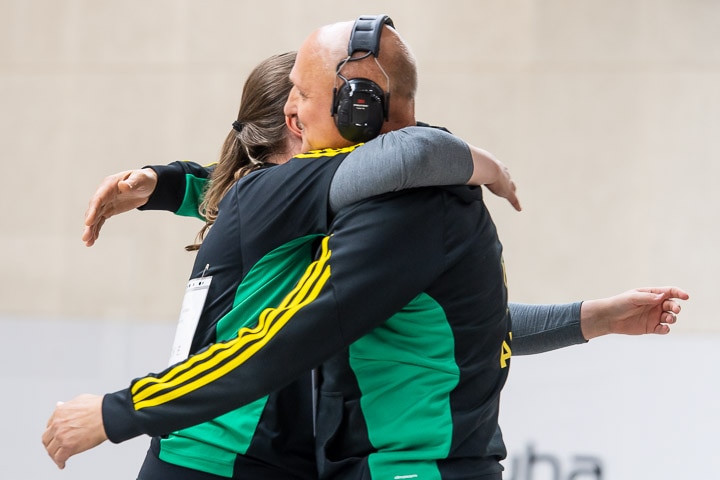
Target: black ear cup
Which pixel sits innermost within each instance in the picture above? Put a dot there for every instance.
(360, 106)
(359, 110)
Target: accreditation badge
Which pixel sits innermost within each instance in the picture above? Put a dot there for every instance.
(192, 307)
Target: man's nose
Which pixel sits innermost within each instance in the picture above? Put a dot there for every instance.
(290, 109)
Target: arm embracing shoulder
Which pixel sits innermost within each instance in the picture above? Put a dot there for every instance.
(337, 300)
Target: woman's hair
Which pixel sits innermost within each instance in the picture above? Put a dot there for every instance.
(258, 134)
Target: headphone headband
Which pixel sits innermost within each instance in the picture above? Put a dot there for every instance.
(365, 36)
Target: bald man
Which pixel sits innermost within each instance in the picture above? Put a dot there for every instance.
(405, 308)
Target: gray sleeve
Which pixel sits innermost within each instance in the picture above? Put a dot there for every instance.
(406, 158)
(542, 328)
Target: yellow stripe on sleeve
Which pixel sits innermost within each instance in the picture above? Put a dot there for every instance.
(219, 359)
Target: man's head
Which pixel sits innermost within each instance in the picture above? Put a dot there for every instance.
(314, 77)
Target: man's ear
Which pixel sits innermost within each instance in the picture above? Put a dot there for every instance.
(293, 125)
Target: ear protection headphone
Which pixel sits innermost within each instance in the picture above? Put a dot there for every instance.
(360, 106)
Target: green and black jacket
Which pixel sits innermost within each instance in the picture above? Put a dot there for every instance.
(404, 308)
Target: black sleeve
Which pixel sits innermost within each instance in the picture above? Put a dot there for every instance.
(171, 188)
(339, 299)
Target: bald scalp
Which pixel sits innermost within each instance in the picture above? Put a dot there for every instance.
(395, 57)
(331, 43)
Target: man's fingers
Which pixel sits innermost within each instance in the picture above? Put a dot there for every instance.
(60, 458)
(47, 435)
(54, 450)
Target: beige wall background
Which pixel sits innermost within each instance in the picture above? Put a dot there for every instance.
(606, 111)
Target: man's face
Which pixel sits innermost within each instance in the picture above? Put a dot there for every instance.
(310, 101)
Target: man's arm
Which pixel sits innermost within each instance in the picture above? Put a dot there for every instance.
(177, 187)
(338, 300)
(78, 425)
(74, 427)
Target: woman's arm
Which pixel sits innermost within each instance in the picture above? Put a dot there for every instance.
(541, 328)
(411, 157)
(179, 189)
(118, 193)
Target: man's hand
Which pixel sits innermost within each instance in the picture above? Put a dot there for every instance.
(117, 193)
(74, 427)
(635, 312)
